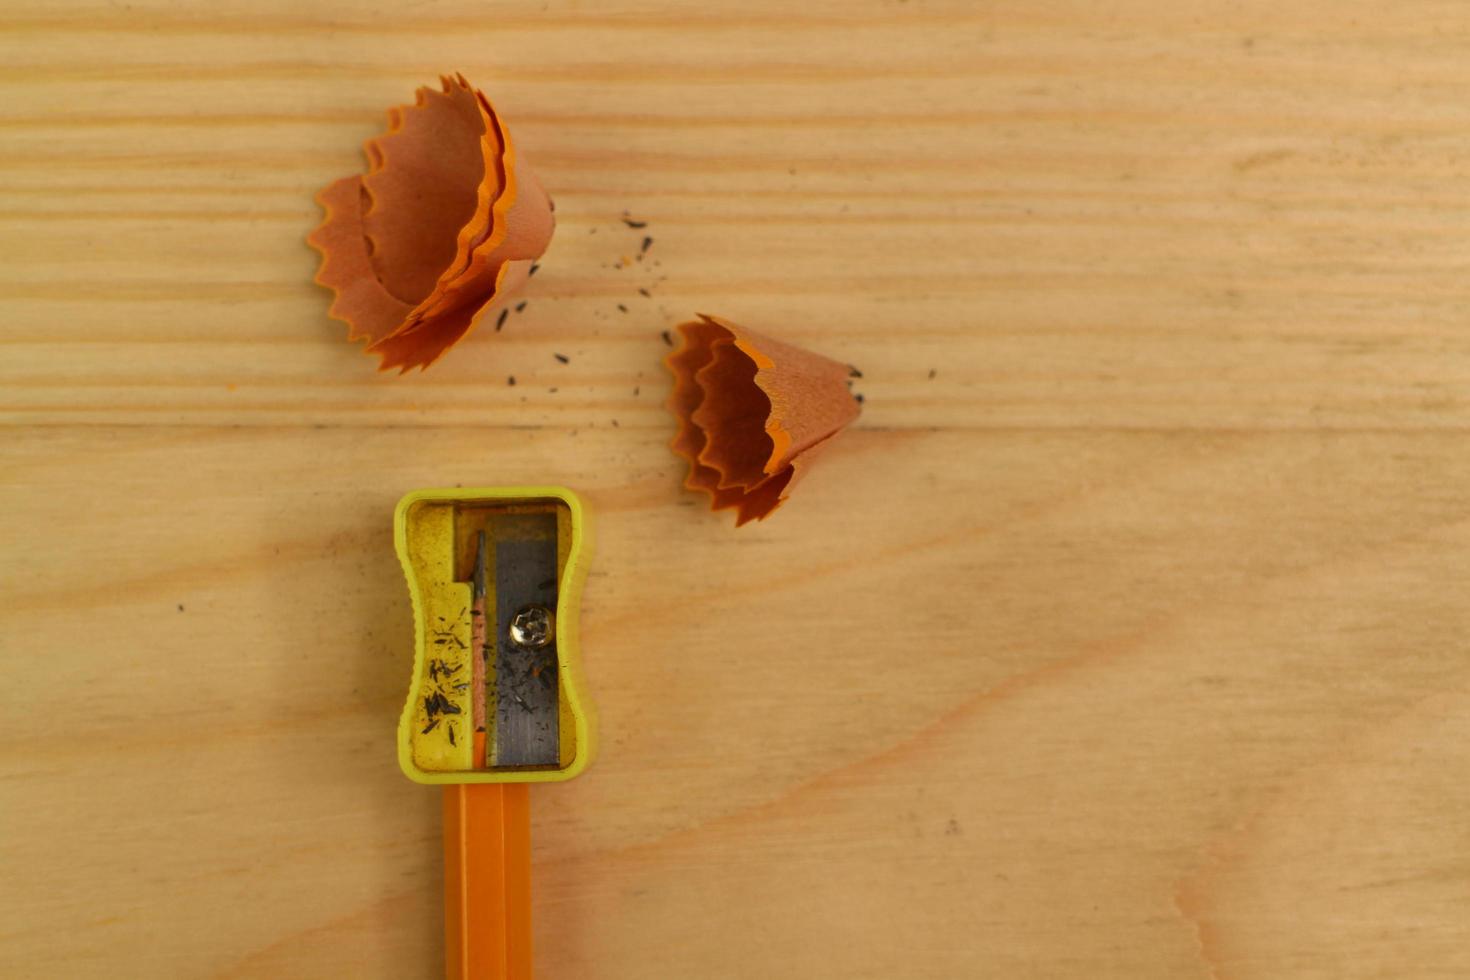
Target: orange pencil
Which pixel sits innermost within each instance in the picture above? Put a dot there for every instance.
(495, 700)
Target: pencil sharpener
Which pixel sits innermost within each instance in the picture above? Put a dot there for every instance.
(495, 576)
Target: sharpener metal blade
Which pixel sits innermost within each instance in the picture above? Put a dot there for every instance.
(527, 699)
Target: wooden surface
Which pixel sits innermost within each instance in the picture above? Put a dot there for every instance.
(1124, 637)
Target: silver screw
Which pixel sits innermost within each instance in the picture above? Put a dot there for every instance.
(532, 626)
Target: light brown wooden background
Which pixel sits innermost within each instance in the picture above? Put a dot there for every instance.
(1131, 644)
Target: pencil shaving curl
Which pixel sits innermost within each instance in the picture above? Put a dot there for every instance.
(753, 413)
(444, 224)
